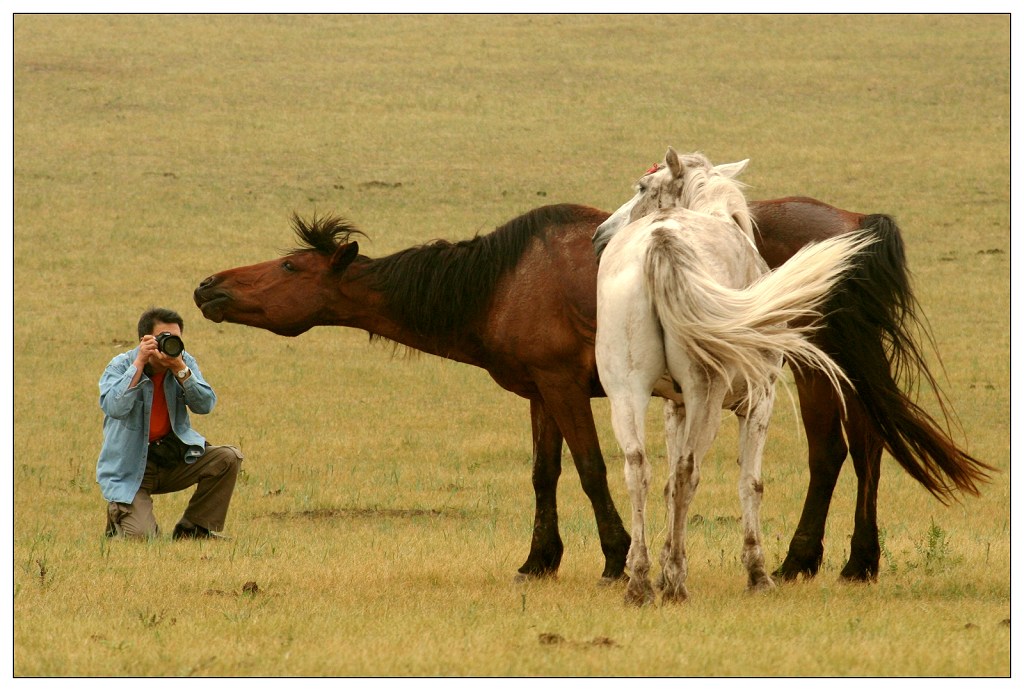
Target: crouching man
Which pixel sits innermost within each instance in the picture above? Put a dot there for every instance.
(149, 446)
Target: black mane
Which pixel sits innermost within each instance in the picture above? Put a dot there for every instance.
(323, 235)
(440, 287)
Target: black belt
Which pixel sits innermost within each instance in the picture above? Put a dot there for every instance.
(167, 451)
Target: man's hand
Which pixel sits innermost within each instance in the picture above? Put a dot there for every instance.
(146, 349)
(149, 354)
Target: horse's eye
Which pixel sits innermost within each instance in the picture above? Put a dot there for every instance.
(641, 188)
(289, 267)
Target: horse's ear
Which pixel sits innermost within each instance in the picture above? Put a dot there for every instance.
(673, 162)
(343, 256)
(731, 170)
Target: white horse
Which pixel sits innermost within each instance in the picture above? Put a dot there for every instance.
(683, 290)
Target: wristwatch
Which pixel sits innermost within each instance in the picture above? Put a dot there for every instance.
(183, 373)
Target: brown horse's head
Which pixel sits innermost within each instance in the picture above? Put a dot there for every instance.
(289, 295)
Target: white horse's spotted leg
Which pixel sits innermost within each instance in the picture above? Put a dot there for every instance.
(675, 428)
(632, 346)
(638, 561)
(753, 433)
(681, 488)
(703, 417)
(628, 415)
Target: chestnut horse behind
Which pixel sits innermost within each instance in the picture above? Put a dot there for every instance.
(520, 303)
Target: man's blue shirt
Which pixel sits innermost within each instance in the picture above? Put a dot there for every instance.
(122, 460)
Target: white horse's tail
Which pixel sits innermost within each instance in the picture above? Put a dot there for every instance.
(730, 331)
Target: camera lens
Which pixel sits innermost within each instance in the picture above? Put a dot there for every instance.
(169, 344)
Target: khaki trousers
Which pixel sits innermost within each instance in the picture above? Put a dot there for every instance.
(214, 474)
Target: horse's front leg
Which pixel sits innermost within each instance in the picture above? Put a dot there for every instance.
(752, 435)
(568, 403)
(546, 547)
(826, 451)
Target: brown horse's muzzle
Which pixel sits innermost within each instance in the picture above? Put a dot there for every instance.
(210, 299)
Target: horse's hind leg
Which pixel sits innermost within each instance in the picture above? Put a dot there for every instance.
(703, 401)
(675, 430)
(628, 418)
(752, 436)
(826, 451)
(866, 450)
(630, 360)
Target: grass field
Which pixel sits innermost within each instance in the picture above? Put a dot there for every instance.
(385, 502)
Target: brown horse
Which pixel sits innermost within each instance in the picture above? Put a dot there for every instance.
(521, 302)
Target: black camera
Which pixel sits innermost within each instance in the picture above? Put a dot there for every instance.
(169, 344)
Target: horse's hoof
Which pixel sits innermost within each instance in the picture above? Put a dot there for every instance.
(675, 595)
(528, 576)
(610, 581)
(761, 585)
(613, 575)
(640, 594)
(795, 566)
(639, 599)
(864, 573)
(785, 574)
(531, 570)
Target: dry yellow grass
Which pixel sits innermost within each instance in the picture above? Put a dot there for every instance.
(386, 502)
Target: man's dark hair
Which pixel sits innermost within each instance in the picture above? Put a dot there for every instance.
(153, 315)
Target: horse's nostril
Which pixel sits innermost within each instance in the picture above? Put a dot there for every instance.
(208, 281)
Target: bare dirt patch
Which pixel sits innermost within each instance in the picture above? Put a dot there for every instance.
(366, 512)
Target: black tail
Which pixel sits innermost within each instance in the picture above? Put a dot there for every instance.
(873, 331)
